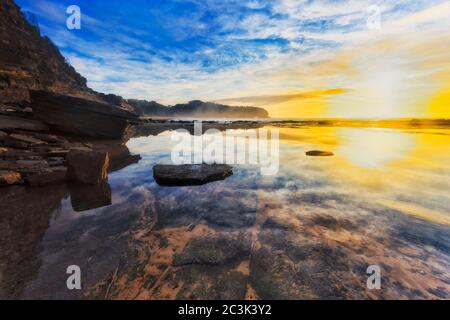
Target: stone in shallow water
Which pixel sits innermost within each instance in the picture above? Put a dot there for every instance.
(190, 175)
(215, 250)
(318, 153)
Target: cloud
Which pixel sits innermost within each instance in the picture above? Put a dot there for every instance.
(275, 99)
(269, 52)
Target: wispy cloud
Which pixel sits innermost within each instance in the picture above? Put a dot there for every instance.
(271, 52)
(276, 99)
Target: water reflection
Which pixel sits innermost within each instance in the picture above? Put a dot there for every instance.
(374, 148)
(84, 198)
(310, 231)
(24, 220)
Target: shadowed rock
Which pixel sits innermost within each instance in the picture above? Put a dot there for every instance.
(47, 178)
(3, 135)
(27, 139)
(24, 166)
(87, 167)
(15, 123)
(81, 116)
(190, 175)
(318, 153)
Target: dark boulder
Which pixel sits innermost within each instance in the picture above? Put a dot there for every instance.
(81, 116)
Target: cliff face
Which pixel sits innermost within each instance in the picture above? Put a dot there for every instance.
(30, 61)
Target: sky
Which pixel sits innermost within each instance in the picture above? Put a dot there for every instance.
(295, 58)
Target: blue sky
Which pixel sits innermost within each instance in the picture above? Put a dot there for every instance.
(178, 50)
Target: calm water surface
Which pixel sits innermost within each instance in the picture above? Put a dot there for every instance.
(310, 231)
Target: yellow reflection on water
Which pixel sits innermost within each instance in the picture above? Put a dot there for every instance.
(374, 148)
(406, 170)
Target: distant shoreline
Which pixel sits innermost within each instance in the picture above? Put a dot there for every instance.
(294, 123)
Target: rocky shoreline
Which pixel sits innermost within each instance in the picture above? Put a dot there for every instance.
(38, 138)
(34, 153)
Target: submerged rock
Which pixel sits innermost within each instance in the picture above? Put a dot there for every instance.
(215, 250)
(189, 175)
(318, 153)
(202, 282)
(87, 167)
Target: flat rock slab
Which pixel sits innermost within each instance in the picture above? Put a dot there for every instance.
(190, 175)
(81, 116)
(57, 152)
(14, 123)
(318, 153)
(46, 179)
(25, 166)
(27, 139)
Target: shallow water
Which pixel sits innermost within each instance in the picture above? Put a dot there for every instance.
(310, 231)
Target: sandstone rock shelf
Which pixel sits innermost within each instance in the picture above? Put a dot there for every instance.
(81, 116)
